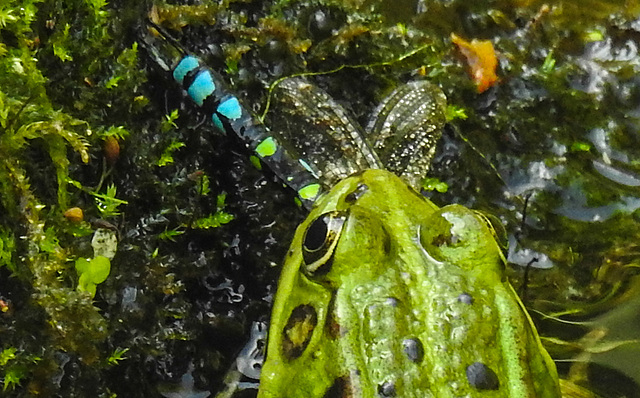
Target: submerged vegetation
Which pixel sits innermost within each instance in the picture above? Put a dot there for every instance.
(189, 232)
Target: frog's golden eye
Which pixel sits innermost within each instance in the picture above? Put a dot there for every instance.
(320, 240)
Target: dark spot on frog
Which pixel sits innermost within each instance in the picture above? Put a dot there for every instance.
(465, 298)
(389, 301)
(298, 331)
(356, 194)
(210, 104)
(386, 246)
(482, 377)
(413, 349)
(387, 389)
(342, 387)
(332, 327)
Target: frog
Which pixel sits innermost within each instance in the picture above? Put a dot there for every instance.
(383, 294)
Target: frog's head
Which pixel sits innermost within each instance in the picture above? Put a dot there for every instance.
(365, 221)
(374, 214)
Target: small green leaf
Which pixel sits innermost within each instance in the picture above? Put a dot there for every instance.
(169, 123)
(100, 268)
(232, 66)
(113, 82)
(549, 63)
(170, 234)
(430, 184)
(202, 181)
(167, 155)
(212, 221)
(117, 356)
(455, 112)
(92, 272)
(402, 28)
(593, 35)
(255, 161)
(221, 201)
(7, 355)
(82, 265)
(59, 49)
(580, 146)
(165, 159)
(217, 219)
(85, 285)
(118, 131)
(108, 203)
(6, 17)
(50, 242)
(12, 377)
(7, 246)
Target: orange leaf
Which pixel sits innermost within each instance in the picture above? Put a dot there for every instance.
(481, 59)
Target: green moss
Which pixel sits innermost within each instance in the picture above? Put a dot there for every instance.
(7, 248)
(167, 155)
(7, 355)
(107, 203)
(29, 124)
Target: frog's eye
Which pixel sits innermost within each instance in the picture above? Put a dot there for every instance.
(320, 240)
(460, 236)
(494, 225)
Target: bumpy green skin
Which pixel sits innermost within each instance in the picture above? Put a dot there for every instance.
(403, 272)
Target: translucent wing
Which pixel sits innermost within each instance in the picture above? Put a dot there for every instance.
(405, 128)
(322, 132)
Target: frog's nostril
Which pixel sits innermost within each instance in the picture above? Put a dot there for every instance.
(357, 193)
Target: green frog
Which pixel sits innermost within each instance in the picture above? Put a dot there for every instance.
(383, 294)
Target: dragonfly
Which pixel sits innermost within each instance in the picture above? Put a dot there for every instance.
(322, 142)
